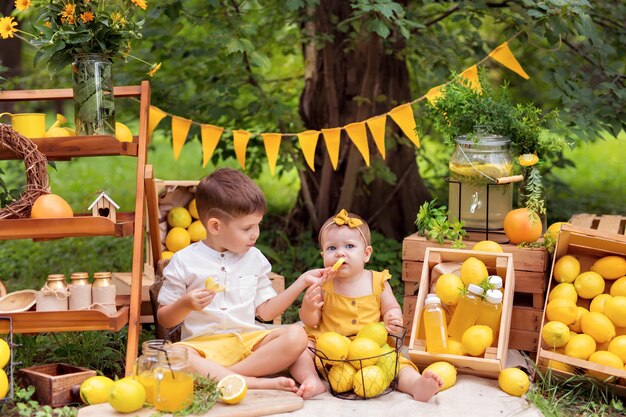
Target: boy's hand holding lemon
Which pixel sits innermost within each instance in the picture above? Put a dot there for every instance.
(211, 285)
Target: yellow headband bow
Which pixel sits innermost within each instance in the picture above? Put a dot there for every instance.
(343, 219)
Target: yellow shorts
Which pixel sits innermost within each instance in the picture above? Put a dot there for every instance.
(226, 349)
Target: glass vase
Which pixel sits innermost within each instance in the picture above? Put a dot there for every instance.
(94, 106)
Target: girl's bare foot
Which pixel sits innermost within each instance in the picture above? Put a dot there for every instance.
(311, 387)
(280, 383)
(426, 386)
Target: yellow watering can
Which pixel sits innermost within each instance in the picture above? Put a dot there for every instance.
(31, 125)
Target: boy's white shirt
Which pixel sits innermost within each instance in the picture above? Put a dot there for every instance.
(233, 311)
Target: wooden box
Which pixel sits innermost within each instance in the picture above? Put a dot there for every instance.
(587, 245)
(531, 266)
(54, 382)
(494, 359)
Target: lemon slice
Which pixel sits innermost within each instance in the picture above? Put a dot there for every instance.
(527, 159)
(338, 264)
(211, 285)
(233, 389)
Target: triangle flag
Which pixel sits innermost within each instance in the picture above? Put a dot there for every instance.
(471, 76)
(377, 128)
(180, 128)
(241, 138)
(358, 134)
(308, 143)
(503, 55)
(154, 117)
(210, 136)
(403, 116)
(433, 94)
(331, 138)
(271, 141)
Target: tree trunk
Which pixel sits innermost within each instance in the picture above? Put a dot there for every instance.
(349, 80)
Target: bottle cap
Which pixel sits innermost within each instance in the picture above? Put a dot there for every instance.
(475, 289)
(432, 299)
(494, 296)
(496, 281)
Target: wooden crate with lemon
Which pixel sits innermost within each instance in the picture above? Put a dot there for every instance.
(584, 326)
(479, 330)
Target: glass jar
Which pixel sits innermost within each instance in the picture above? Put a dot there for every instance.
(56, 282)
(475, 166)
(173, 376)
(146, 364)
(80, 291)
(103, 293)
(102, 279)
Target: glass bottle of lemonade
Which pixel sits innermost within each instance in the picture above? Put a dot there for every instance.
(466, 312)
(435, 326)
(174, 380)
(491, 312)
(495, 281)
(146, 365)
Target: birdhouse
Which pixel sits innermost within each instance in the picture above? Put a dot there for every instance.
(103, 206)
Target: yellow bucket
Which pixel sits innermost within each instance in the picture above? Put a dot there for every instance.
(31, 125)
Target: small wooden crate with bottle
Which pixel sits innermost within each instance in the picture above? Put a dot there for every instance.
(493, 360)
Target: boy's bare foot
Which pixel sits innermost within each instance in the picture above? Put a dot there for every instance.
(279, 383)
(311, 387)
(426, 386)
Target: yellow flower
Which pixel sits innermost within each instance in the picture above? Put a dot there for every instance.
(22, 4)
(67, 15)
(140, 3)
(47, 24)
(86, 17)
(7, 27)
(116, 17)
(154, 69)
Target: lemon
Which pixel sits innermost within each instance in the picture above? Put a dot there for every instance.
(563, 310)
(610, 267)
(177, 239)
(211, 285)
(167, 254)
(448, 288)
(179, 217)
(555, 334)
(5, 353)
(127, 395)
(561, 366)
(487, 246)
(618, 287)
(193, 210)
(374, 331)
(615, 310)
(477, 339)
(563, 290)
(598, 326)
(598, 303)
(388, 362)
(363, 352)
(123, 133)
(4, 384)
(513, 381)
(333, 346)
(618, 347)
(473, 271)
(445, 371)
(341, 377)
(580, 346)
(233, 388)
(96, 389)
(566, 269)
(56, 132)
(455, 347)
(576, 327)
(196, 231)
(589, 284)
(555, 229)
(369, 381)
(605, 358)
(320, 368)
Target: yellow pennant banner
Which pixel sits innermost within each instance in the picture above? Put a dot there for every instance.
(180, 128)
(241, 138)
(154, 117)
(358, 134)
(308, 143)
(503, 55)
(471, 75)
(331, 138)
(377, 128)
(434, 93)
(403, 116)
(210, 136)
(271, 141)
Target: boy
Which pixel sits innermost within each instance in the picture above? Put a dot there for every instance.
(219, 328)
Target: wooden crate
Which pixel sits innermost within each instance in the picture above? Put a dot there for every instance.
(602, 223)
(56, 384)
(530, 264)
(587, 245)
(494, 359)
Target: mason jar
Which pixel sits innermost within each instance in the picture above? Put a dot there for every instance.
(146, 364)
(103, 293)
(80, 291)
(475, 166)
(173, 376)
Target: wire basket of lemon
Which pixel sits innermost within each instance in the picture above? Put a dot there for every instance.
(6, 362)
(362, 366)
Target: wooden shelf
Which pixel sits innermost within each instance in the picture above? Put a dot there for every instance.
(65, 321)
(64, 148)
(78, 226)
